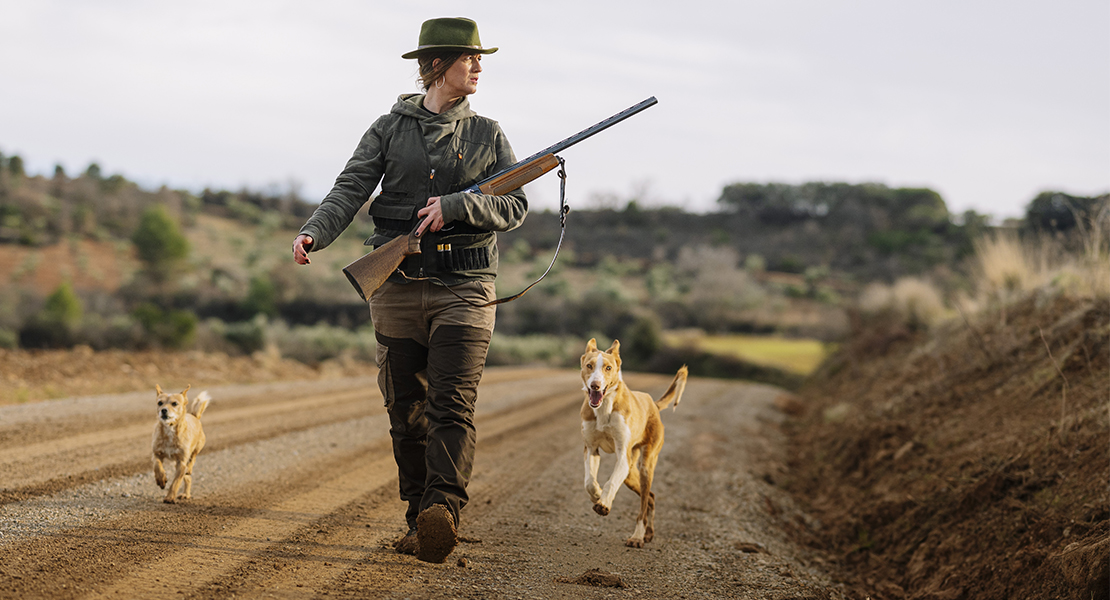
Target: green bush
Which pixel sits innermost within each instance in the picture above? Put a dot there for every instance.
(261, 297)
(63, 307)
(248, 336)
(9, 340)
(167, 328)
(159, 241)
(312, 344)
(640, 341)
(549, 350)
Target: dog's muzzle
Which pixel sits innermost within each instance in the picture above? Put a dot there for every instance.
(165, 414)
(595, 397)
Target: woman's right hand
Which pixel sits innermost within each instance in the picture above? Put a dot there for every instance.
(301, 246)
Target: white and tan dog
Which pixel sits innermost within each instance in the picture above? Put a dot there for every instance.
(179, 437)
(625, 423)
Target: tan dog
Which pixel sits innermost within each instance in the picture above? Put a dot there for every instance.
(179, 437)
(626, 423)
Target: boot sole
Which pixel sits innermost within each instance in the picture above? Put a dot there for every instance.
(435, 533)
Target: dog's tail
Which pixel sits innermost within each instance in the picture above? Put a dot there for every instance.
(673, 393)
(198, 404)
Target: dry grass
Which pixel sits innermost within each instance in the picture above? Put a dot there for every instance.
(913, 301)
(1009, 268)
(1006, 268)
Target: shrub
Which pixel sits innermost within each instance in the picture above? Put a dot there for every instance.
(640, 341)
(312, 344)
(550, 350)
(261, 297)
(159, 241)
(55, 325)
(167, 328)
(63, 307)
(9, 340)
(248, 336)
(915, 303)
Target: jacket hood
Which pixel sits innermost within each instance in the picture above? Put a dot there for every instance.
(412, 105)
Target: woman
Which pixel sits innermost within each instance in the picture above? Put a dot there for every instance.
(432, 341)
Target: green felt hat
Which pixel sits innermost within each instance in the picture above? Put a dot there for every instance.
(449, 34)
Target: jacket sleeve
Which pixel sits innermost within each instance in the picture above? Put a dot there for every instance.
(352, 189)
(491, 213)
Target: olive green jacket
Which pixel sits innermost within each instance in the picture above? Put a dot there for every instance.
(416, 154)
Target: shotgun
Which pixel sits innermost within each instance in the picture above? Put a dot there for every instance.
(370, 272)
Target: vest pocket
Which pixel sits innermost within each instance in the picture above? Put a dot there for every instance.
(392, 213)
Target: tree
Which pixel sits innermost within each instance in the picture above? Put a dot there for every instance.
(1057, 211)
(159, 242)
(15, 165)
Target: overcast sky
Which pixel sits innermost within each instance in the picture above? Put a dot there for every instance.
(987, 102)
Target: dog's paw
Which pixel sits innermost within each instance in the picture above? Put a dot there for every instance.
(601, 509)
(594, 493)
(168, 500)
(634, 543)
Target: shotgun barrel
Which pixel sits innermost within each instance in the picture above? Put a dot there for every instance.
(567, 143)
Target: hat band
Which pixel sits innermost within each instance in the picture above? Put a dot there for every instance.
(419, 48)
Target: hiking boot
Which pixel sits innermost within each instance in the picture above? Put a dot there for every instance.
(407, 544)
(435, 534)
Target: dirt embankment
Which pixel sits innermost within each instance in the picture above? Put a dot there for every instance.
(968, 463)
(295, 496)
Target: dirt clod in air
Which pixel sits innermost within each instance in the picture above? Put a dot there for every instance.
(596, 578)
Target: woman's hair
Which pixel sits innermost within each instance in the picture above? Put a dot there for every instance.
(429, 74)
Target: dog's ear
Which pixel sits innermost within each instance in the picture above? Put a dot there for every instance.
(615, 349)
(186, 389)
(591, 346)
(158, 389)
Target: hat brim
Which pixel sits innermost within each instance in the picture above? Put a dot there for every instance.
(447, 48)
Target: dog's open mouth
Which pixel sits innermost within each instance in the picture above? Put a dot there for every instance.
(595, 398)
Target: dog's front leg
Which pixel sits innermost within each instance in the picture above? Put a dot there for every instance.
(188, 493)
(178, 477)
(593, 462)
(159, 473)
(620, 472)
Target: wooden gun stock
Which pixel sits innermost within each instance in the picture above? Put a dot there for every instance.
(516, 178)
(370, 272)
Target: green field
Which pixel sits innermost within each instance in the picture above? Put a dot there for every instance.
(799, 356)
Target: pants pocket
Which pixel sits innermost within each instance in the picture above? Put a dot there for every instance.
(385, 381)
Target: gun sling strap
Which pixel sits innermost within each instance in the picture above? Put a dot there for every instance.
(563, 210)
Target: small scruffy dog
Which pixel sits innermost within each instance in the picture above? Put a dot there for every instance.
(179, 437)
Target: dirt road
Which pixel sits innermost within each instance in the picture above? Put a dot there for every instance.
(295, 496)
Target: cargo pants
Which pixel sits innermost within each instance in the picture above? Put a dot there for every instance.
(431, 352)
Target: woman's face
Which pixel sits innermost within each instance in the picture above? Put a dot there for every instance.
(462, 78)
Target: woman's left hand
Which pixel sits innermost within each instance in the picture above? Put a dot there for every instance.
(433, 216)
